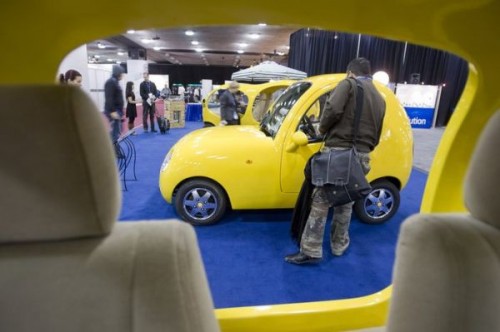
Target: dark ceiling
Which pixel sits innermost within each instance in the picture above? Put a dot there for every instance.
(243, 46)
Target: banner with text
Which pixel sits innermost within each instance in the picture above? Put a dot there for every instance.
(419, 102)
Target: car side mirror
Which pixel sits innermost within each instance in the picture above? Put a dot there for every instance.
(298, 139)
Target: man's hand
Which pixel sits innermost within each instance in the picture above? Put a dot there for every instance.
(115, 115)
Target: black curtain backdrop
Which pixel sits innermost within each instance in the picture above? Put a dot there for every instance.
(384, 54)
(189, 74)
(319, 52)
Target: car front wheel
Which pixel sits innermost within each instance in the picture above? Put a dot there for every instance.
(200, 202)
(380, 205)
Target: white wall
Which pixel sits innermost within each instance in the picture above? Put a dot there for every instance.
(77, 60)
(135, 71)
(206, 88)
(159, 81)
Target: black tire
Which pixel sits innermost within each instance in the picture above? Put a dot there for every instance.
(380, 205)
(200, 202)
(207, 124)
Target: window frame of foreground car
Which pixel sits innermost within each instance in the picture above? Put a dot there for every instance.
(274, 118)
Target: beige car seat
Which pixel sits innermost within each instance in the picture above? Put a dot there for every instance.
(65, 264)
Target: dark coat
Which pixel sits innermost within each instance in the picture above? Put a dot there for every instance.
(145, 88)
(338, 116)
(113, 96)
(303, 205)
(228, 106)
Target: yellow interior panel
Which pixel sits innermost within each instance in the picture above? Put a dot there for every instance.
(36, 35)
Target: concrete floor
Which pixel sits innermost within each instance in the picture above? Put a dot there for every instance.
(426, 143)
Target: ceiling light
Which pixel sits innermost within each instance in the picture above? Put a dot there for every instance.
(118, 61)
(199, 50)
(111, 60)
(121, 53)
(131, 31)
(101, 45)
(262, 24)
(146, 41)
(195, 42)
(242, 44)
(157, 48)
(189, 32)
(97, 56)
(254, 35)
(240, 51)
(280, 53)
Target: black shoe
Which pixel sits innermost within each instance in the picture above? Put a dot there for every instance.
(300, 258)
(154, 131)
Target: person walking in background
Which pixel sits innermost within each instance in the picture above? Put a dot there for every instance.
(336, 124)
(229, 105)
(113, 104)
(131, 112)
(148, 93)
(71, 77)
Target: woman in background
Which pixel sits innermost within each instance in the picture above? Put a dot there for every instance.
(72, 77)
(131, 112)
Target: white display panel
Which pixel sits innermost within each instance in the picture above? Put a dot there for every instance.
(420, 102)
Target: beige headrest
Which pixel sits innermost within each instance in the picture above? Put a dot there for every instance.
(58, 178)
(482, 185)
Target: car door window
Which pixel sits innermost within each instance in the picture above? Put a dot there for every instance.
(213, 102)
(309, 123)
(263, 101)
(279, 110)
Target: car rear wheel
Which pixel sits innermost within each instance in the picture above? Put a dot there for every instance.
(200, 202)
(380, 205)
(207, 124)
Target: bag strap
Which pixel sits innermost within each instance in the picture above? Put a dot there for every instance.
(359, 109)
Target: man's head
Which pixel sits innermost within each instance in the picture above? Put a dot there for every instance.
(359, 67)
(233, 87)
(117, 72)
(145, 75)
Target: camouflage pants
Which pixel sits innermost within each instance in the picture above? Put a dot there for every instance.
(311, 242)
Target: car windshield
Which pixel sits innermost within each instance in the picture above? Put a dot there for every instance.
(278, 112)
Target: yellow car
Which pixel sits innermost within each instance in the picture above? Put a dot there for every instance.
(257, 97)
(252, 167)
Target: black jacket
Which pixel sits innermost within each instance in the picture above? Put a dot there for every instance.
(338, 117)
(113, 96)
(228, 106)
(145, 88)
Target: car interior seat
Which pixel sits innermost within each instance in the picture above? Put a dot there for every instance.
(447, 269)
(65, 264)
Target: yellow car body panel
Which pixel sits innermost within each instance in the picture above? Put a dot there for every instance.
(252, 91)
(259, 172)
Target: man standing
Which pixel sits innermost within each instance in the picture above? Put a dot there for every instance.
(113, 103)
(337, 125)
(229, 105)
(147, 90)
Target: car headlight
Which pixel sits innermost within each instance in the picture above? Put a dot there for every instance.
(166, 160)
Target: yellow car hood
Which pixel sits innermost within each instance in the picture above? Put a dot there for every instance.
(227, 138)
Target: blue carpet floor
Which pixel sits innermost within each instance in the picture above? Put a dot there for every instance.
(243, 254)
